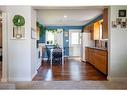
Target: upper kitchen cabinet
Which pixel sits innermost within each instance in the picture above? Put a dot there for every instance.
(96, 33)
(88, 28)
(97, 30)
(105, 24)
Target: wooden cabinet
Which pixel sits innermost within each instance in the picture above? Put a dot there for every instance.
(101, 60)
(105, 24)
(95, 27)
(98, 58)
(88, 28)
(87, 54)
(96, 31)
(91, 56)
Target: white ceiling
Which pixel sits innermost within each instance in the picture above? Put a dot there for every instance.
(76, 16)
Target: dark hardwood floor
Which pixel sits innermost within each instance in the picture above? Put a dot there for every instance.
(73, 69)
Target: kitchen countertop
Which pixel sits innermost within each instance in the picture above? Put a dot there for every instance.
(105, 49)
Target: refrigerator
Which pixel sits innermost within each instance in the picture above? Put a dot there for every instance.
(86, 42)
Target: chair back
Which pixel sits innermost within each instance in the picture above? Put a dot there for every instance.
(57, 53)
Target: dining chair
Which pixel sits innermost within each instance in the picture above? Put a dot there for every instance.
(57, 56)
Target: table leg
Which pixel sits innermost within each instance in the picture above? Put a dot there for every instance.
(51, 59)
(62, 59)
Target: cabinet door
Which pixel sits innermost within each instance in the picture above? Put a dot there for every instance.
(105, 24)
(92, 32)
(87, 29)
(87, 54)
(101, 61)
(96, 33)
(91, 56)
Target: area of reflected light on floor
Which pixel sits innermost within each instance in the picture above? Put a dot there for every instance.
(75, 71)
(48, 76)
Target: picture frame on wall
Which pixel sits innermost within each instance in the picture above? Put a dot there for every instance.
(123, 25)
(18, 32)
(122, 13)
(126, 21)
(118, 21)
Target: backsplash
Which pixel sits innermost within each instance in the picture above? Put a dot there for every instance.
(101, 43)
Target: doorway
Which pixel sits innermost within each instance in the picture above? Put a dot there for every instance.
(74, 43)
(3, 46)
(0, 45)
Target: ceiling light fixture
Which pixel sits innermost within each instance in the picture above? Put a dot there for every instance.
(65, 16)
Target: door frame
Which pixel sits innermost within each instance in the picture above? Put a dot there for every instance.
(74, 30)
(4, 48)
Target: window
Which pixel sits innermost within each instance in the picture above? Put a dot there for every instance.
(49, 37)
(75, 38)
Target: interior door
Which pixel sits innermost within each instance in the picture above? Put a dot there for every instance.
(74, 42)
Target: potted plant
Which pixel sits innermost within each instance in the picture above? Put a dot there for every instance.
(41, 29)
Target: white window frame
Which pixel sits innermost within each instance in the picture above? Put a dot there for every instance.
(47, 37)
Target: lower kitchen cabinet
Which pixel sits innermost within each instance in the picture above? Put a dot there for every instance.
(98, 58)
(87, 54)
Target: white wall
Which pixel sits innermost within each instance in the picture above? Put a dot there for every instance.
(3, 8)
(19, 51)
(117, 47)
(34, 52)
(22, 59)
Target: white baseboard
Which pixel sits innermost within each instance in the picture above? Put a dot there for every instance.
(34, 75)
(45, 58)
(117, 78)
(66, 56)
(19, 79)
(39, 64)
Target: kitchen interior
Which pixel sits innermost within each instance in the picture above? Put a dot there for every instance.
(0, 45)
(95, 43)
(94, 50)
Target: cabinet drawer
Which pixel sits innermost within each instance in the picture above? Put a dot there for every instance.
(100, 52)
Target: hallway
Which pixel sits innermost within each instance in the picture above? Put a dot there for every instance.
(74, 70)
